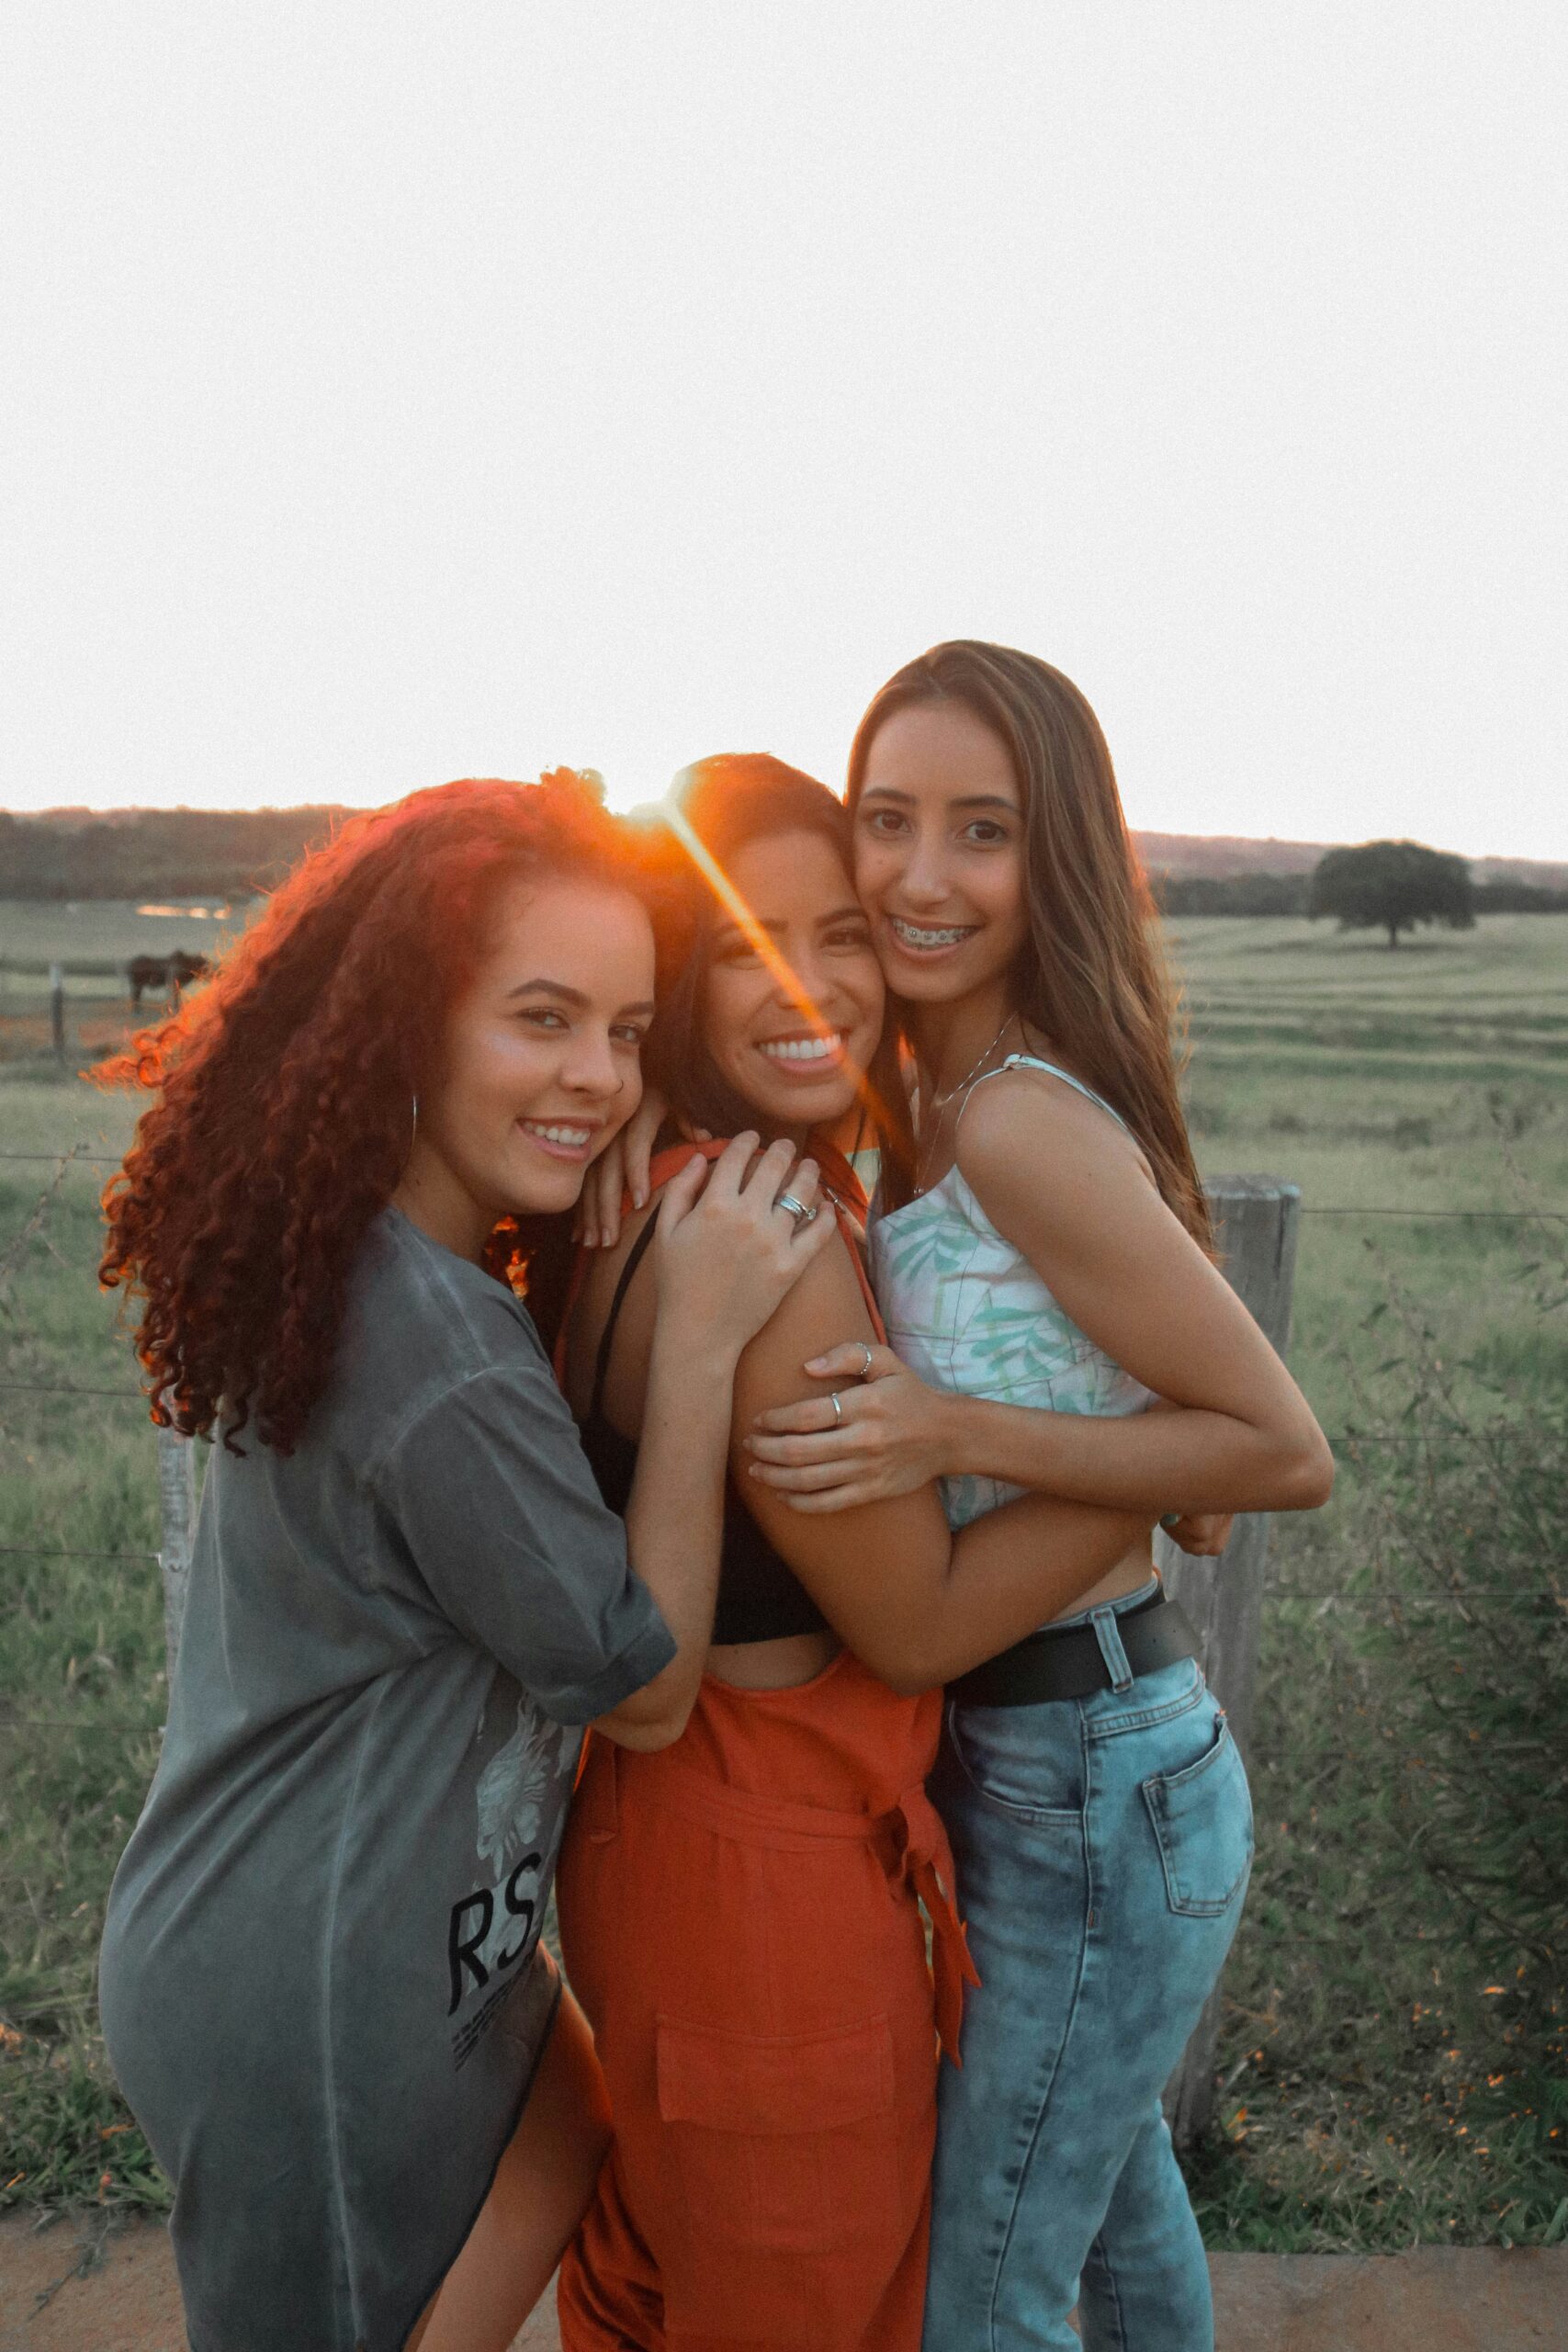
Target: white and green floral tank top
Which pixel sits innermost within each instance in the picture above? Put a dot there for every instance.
(968, 1312)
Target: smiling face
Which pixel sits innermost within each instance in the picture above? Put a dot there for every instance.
(540, 1063)
(797, 1053)
(939, 853)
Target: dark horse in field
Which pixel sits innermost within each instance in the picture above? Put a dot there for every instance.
(168, 974)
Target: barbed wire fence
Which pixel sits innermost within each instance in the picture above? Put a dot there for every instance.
(1260, 1219)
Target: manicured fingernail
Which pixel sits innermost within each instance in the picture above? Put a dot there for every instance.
(640, 1196)
(816, 1364)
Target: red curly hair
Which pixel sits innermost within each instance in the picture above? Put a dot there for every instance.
(287, 1086)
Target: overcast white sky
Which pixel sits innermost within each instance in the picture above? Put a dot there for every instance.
(396, 393)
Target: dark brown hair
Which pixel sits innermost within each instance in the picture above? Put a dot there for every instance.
(285, 1091)
(734, 799)
(1092, 979)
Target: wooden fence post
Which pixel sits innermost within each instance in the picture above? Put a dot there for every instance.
(176, 1503)
(1256, 1220)
(57, 1011)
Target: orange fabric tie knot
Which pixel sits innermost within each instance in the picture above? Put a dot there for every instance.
(927, 1866)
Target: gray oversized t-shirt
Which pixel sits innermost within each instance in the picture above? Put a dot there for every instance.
(320, 1981)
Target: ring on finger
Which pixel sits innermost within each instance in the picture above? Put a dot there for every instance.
(838, 1408)
(798, 1209)
(865, 1368)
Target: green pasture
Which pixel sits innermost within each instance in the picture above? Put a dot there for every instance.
(1402, 1087)
(1392, 2061)
(95, 940)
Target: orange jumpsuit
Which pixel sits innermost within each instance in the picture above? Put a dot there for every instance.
(740, 1919)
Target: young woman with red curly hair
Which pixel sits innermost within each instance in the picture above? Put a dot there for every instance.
(322, 1984)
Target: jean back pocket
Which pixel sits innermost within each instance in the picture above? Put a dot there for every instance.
(1202, 1821)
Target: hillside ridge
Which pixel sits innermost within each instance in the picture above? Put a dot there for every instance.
(265, 841)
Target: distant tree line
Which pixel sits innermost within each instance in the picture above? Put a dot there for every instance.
(1519, 899)
(1231, 894)
(223, 854)
(1294, 894)
(217, 854)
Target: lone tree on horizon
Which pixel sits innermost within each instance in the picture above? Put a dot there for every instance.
(1391, 886)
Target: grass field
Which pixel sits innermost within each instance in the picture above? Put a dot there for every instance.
(98, 931)
(1392, 2052)
(1393, 2059)
(1430, 1079)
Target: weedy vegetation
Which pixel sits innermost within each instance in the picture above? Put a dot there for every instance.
(1392, 2057)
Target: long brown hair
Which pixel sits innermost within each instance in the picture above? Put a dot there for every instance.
(286, 1090)
(734, 799)
(1092, 979)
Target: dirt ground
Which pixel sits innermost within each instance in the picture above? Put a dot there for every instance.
(75, 2287)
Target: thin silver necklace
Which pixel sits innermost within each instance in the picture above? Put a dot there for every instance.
(940, 1101)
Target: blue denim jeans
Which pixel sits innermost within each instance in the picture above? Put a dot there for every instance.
(1104, 1847)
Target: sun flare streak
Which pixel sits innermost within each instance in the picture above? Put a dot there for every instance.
(850, 1132)
(740, 914)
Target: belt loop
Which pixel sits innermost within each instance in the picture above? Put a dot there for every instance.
(1108, 1633)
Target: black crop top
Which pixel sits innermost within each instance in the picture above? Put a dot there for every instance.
(760, 1599)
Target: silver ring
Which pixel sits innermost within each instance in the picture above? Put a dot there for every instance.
(838, 1408)
(798, 1209)
(865, 1368)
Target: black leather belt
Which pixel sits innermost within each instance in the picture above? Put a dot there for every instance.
(1066, 1661)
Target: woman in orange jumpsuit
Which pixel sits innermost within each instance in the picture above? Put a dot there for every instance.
(740, 1911)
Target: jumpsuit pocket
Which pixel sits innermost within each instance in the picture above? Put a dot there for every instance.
(1202, 1821)
(783, 2141)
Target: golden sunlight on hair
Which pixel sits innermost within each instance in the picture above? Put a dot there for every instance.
(880, 1095)
(734, 905)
